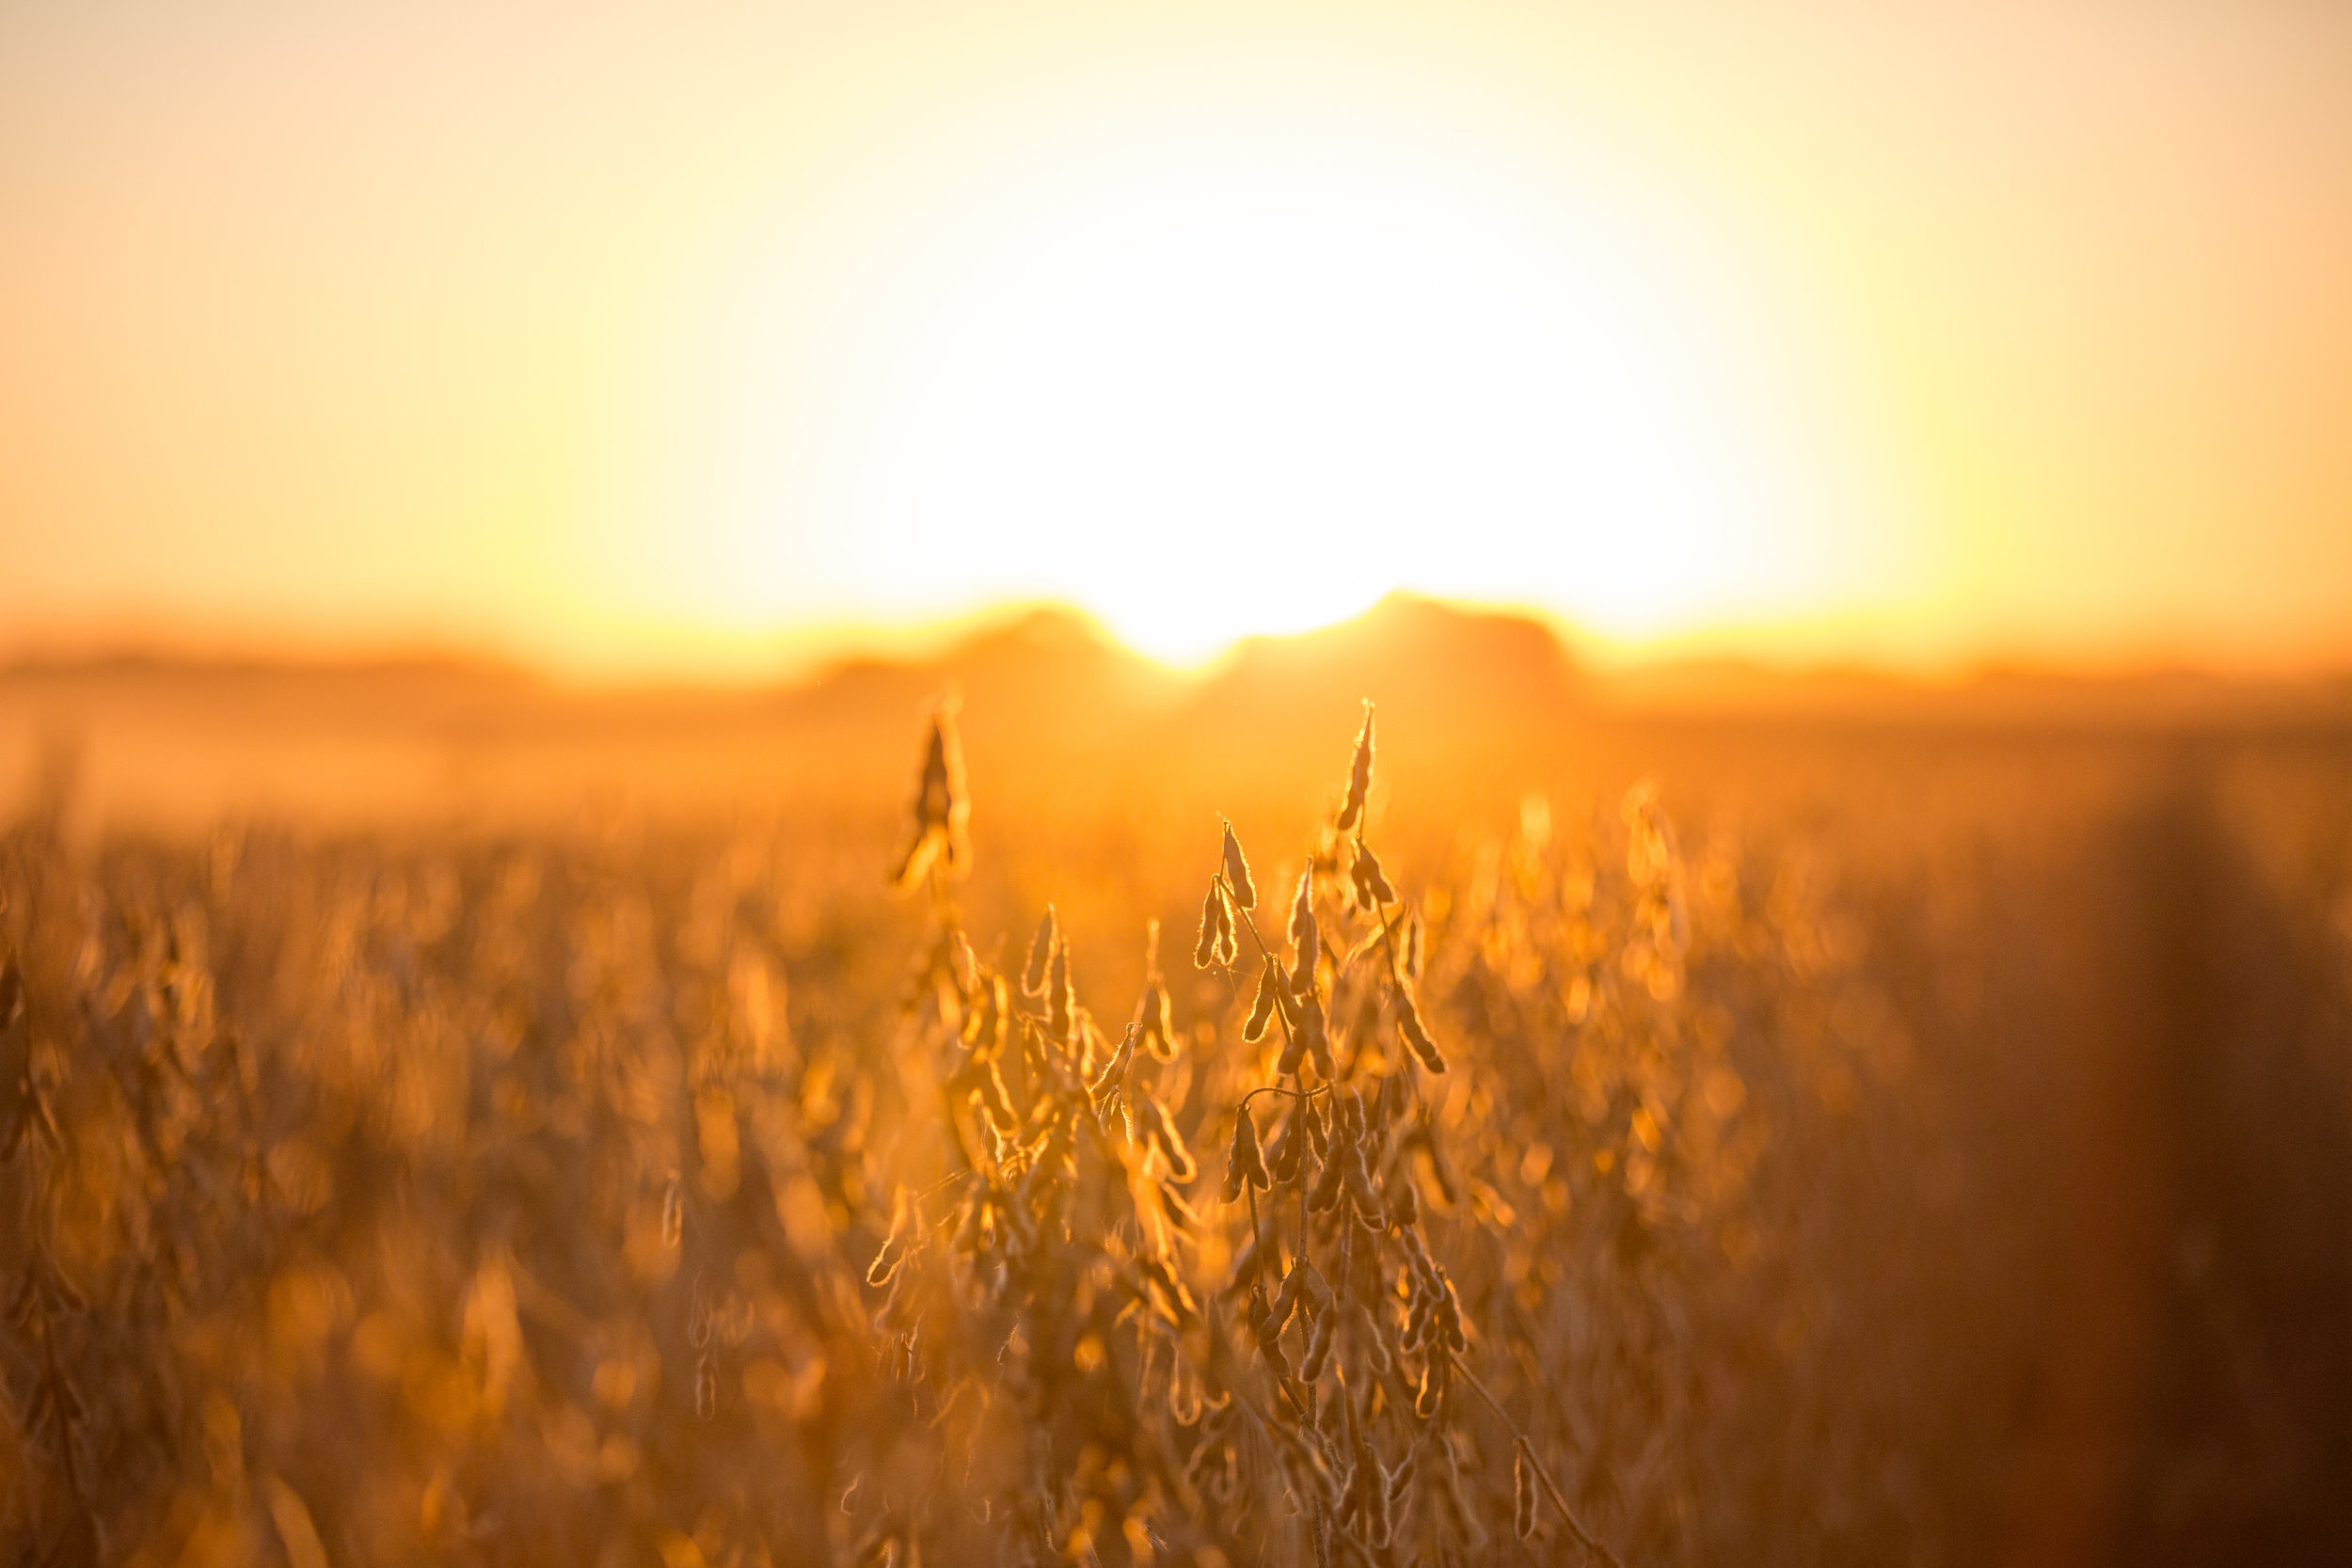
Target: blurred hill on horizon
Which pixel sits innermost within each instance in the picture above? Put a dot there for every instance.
(1055, 711)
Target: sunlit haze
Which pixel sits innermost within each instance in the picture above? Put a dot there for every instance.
(711, 344)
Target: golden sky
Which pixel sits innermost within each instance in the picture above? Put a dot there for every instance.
(694, 338)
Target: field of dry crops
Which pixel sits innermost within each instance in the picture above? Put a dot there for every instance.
(1943, 1159)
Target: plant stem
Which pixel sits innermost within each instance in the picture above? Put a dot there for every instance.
(1584, 1538)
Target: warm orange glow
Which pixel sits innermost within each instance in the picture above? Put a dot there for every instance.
(696, 345)
(1211, 380)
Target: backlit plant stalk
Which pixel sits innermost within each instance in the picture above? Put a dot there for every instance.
(1038, 1296)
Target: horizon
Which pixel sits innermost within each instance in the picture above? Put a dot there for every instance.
(944, 642)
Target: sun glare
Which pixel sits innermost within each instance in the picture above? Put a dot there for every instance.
(1205, 383)
(646, 345)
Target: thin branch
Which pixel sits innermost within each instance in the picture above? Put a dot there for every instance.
(1584, 1538)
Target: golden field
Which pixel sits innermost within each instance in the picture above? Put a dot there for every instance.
(1876, 1126)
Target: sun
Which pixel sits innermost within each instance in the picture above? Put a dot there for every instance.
(1204, 384)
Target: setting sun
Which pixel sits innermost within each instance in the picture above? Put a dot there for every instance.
(1209, 378)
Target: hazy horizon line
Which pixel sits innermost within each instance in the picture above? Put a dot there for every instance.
(810, 654)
